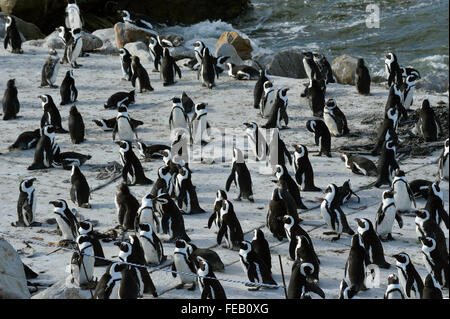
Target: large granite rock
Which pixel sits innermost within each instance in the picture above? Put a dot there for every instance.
(287, 63)
(242, 46)
(108, 38)
(27, 29)
(126, 34)
(13, 283)
(90, 41)
(227, 49)
(433, 83)
(139, 49)
(344, 68)
(63, 290)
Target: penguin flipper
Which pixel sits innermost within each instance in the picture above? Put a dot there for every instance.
(73, 194)
(5, 42)
(230, 179)
(444, 216)
(206, 293)
(220, 233)
(177, 69)
(174, 275)
(409, 285)
(315, 289)
(292, 246)
(211, 219)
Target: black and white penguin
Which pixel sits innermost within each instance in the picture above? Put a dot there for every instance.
(207, 70)
(64, 35)
(435, 261)
(316, 98)
(257, 141)
(428, 124)
(26, 204)
(299, 284)
(372, 243)
(132, 167)
(408, 91)
(51, 113)
(345, 291)
(178, 118)
(427, 227)
(335, 119)
(108, 124)
(278, 111)
(87, 229)
(230, 227)
(73, 18)
(113, 285)
(345, 192)
(282, 173)
(12, 36)
(322, 135)
(387, 164)
(254, 266)
(10, 102)
(135, 21)
(140, 79)
(169, 68)
(187, 103)
(386, 215)
(395, 101)
(151, 245)
(393, 290)
(200, 126)
(146, 213)
(420, 187)
(408, 276)
(26, 140)
(311, 68)
(293, 232)
(183, 263)
(151, 151)
(267, 100)
(74, 48)
(443, 162)
(50, 70)
(435, 204)
(403, 195)
(359, 165)
(242, 72)
(362, 78)
(156, 51)
(431, 289)
(43, 155)
(261, 247)
(355, 267)
(387, 130)
(278, 152)
(82, 262)
(393, 71)
(125, 63)
(76, 126)
(275, 214)
(332, 213)
(409, 71)
(67, 221)
(127, 206)
(258, 91)
(80, 191)
(324, 67)
(164, 183)
(172, 221)
(69, 92)
(67, 159)
(304, 174)
(120, 99)
(240, 172)
(186, 192)
(198, 53)
(304, 252)
(124, 126)
(210, 288)
(215, 217)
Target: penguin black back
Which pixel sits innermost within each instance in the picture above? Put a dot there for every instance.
(76, 126)
(10, 102)
(362, 78)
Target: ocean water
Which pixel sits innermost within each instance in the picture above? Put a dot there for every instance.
(416, 30)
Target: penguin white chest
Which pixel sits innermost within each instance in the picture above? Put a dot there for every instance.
(445, 168)
(409, 98)
(270, 102)
(53, 76)
(385, 227)
(401, 197)
(124, 129)
(325, 214)
(150, 253)
(76, 50)
(65, 228)
(178, 120)
(331, 123)
(182, 266)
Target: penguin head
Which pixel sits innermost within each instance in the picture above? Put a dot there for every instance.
(166, 52)
(311, 126)
(307, 269)
(279, 171)
(357, 241)
(221, 195)
(282, 93)
(331, 188)
(245, 246)
(167, 156)
(300, 150)
(85, 227)
(360, 63)
(393, 279)
(345, 157)
(308, 55)
(276, 194)
(135, 59)
(399, 173)
(125, 146)
(176, 102)
(422, 214)
(153, 42)
(198, 46)
(69, 74)
(390, 145)
(238, 156)
(180, 244)
(73, 109)
(402, 258)
(45, 98)
(123, 188)
(26, 183)
(83, 242)
(11, 83)
(426, 104)
(125, 250)
(428, 242)
(363, 225)
(430, 281)
(446, 146)
(116, 269)
(59, 203)
(200, 107)
(124, 14)
(202, 264)
(288, 220)
(251, 126)
(122, 109)
(388, 194)
(258, 234)
(331, 104)
(436, 190)
(225, 207)
(76, 33)
(390, 58)
(410, 80)
(163, 198)
(163, 171)
(267, 86)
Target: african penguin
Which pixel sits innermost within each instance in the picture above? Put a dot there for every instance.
(26, 140)
(359, 165)
(156, 51)
(210, 288)
(335, 119)
(278, 152)
(120, 99)
(151, 245)
(427, 227)
(278, 111)
(198, 52)
(43, 155)
(304, 252)
(80, 191)
(186, 192)
(435, 204)
(127, 207)
(304, 174)
(183, 264)
(74, 47)
(283, 174)
(316, 98)
(76, 126)
(26, 204)
(267, 100)
(393, 71)
(403, 195)
(258, 91)
(135, 21)
(371, 242)
(50, 70)
(51, 114)
(322, 135)
(443, 162)
(299, 284)
(431, 289)
(187, 103)
(408, 91)
(242, 72)
(409, 278)
(178, 118)
(86, 228)
(132, 167)
(393, 290)
(230, 228)
(66, 220)
(355, 267)
(362, 78)
(169, 68)
(275, 214)
(200, 127)
(124, 126)
(257, 141)
(140, 79)
(12, 36)
(10, 102)
(207, 70)
(240, 172)
(435, 261)
(293, 233)
(172, 221)
(386, 215)
(125, 63)
(113, 285)
(387, 130)
(73, 18)
(428, 124)
(82, 262)
(68, 91)
(261, 248)
(387, 164)
(215, 217)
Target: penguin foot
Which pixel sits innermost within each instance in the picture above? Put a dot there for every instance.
(192, 288)
(18, 224)
(86, 205)
(336, 238)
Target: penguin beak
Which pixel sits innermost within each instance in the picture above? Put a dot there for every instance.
(117, 142)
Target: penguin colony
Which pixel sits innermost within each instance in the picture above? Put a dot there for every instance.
(152, 229)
